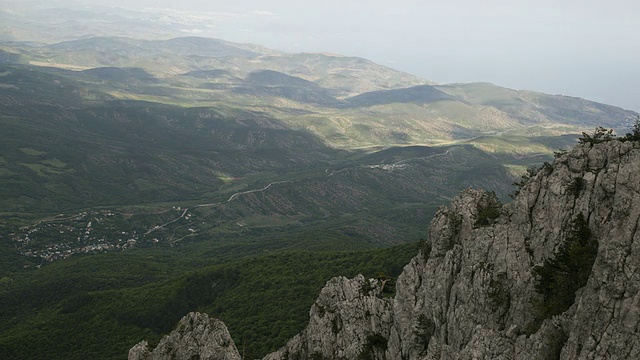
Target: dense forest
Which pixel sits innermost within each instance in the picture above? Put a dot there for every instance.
(100, 306)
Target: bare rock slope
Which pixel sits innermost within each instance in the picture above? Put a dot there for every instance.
(555, 274)
(197, 336)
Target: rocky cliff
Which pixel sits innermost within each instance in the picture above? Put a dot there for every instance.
(554, 274)
(197, 336)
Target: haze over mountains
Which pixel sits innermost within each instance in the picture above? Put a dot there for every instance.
(556, 48)
(333, 82)
(122, 147)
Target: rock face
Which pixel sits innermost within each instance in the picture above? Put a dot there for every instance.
(350, 317)
(477, 288)
(197, 336)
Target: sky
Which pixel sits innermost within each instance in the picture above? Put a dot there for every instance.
(587, 48)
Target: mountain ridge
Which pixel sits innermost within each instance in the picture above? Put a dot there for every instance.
(182, 54)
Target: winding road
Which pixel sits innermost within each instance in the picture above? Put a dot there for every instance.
(231, 198)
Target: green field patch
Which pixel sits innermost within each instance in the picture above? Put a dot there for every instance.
(273, 220)
(145, 185)
(515, 170)
(38, 168)
(58, 188)
(514, 145)
(225, 178)
(55, 163)
(2, 160)
(32, 152)
(44, 170)
(6, 172)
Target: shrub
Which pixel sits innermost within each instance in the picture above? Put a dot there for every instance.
(366, 287)
(559, 153)
(559, 277)
(498, 291)
(455, 220)
(374, 342)
(424, 329)
(599, 135)
(488, 209)
(576, 186)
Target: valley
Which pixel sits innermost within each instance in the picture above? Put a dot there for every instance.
(145, 174)
(288, 202)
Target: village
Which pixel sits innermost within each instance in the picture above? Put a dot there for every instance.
(91, 232)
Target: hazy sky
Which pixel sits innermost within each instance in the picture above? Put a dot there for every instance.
(587, 48)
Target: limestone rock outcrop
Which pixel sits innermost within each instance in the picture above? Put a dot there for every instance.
(197, 336)
(350, 317)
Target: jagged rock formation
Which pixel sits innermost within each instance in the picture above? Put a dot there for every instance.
(499, 282)
(349, 318)
(197, 336)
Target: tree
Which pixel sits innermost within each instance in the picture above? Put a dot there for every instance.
(424, 329)
(488, 209)
(599, 135)
(561, 276)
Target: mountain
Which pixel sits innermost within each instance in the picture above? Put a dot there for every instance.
(423, 94)
(348, 102)
(343, 75)
(268, 83)
(534, 108)
(101, 153)
(541, 277)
